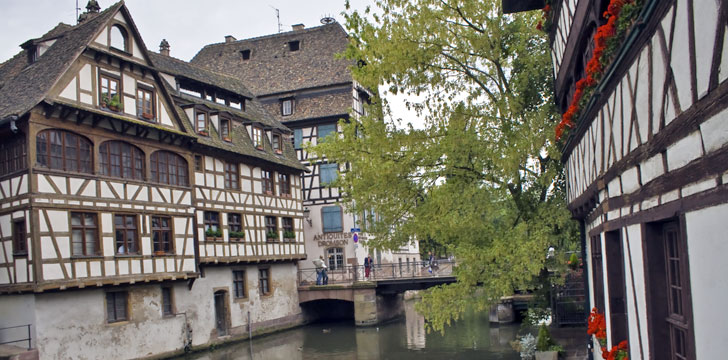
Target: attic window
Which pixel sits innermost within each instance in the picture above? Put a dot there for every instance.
(287, 107)
(118, 38)
(294, 45)
(246, 54)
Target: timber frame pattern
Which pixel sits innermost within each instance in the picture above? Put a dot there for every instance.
(42, 201)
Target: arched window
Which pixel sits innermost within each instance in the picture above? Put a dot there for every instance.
(120, 159)
(169, 168)
(118, 38)
(63, 150)
(335, 258)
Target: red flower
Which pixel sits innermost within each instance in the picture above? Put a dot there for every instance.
(546, 9)
(605, 353)
(539, 26)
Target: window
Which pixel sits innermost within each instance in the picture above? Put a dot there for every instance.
(332, 218)
(232, 176)
(277, 146)
(239, 284)
(235, 227)
(264, 278)
(294, 45)
(297, 138)
(169, 168)
(669, 296)
(84, 234)
(268, 182)
(118, 38)
(288, 232)
(328, 173)
(145, 103)
(597, 270)
(198, 163)
(13, 154)
(62, 150)
(286, 107)
(20, 241)
(162, 235)
(225, 129)
(201, 122)
(167, 302)
(616, 286)
(271, 228)
(109, 91)
(120, 159)
(284, 182)
(245, 54)
(125, 228)
(325, 130)
(211, 221)
(258, 137)
(116, 306)
(335, 257)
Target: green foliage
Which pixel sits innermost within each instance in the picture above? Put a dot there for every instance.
(213, 233)
(544, 342)
(289, 234)
(482, 179)
(237, 234)
(271, 235)
(573, 261)
(111, 102)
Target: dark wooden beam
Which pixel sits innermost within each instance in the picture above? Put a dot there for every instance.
(514, 6)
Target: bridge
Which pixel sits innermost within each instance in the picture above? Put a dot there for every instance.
(376, 298)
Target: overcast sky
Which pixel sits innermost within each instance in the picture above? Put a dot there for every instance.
(188, 25)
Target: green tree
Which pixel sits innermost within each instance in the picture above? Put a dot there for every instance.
(483, 177)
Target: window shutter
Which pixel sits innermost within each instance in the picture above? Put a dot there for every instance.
(332, 219)
(324, 130)
(297, 138)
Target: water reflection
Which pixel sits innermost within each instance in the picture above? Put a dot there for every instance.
(406, 338)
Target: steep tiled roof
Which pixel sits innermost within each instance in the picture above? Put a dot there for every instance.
(24, 89)
(273, 68)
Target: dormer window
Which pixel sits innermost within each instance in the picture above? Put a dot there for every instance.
(201, 123)
(225, 129)
(294, 45)
(118, 38)
(245, 54)
(145, 103)
(276, 143)
(287, 107)
(258, 137)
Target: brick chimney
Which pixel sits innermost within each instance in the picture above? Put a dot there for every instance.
(164, 47)
(298, 27)
(229, 39)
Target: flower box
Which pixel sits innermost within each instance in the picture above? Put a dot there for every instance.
(213, 238)
(547, 355)
(259, 147)
(227, 138)
(148, 116)
(278, 151)
(203, 133)
(160, 253)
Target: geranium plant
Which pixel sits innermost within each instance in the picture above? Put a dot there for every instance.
(597, 326)
(609, 37)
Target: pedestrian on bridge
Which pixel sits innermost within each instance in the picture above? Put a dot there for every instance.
(320, 269)
(367, 265)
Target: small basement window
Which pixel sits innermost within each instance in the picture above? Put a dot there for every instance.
(246, 54)
(294, 45)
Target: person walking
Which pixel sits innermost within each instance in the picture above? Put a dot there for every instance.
(367, 265)
(320, 269)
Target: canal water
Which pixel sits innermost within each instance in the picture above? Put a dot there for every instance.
(402, 339)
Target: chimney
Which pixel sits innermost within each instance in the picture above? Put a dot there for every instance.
(229, 39)
(164, 47)
(92, 9)
(298, 27)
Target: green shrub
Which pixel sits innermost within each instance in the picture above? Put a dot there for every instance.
(544, 341)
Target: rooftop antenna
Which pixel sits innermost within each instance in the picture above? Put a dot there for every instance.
(278, 16)
(77, 9)
(327, 19)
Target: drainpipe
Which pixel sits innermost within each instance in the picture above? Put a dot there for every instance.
(585, 272)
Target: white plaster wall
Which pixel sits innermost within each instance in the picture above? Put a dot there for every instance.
(73, 325)
(707, 252)
(636, 300)
(17, 310)
(199, 302)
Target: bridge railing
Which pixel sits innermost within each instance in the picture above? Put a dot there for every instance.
(393, 271)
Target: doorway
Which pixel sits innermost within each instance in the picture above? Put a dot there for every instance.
(221, 312)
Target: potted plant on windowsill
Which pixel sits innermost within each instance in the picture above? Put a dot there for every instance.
(227, 138)
(279, 151)
(112, 103)
(259, 147)
(289, 236)
(546, 349)
(160, 253)
(271, 236)
(237, 235)
(148, 116)
(203, 133)
(213, 235)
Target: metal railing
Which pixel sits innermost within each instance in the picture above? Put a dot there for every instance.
(28, 339)
(392, 271)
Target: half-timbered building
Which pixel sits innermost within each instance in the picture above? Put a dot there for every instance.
(646, 165)
(300, 81)
(132, 198)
